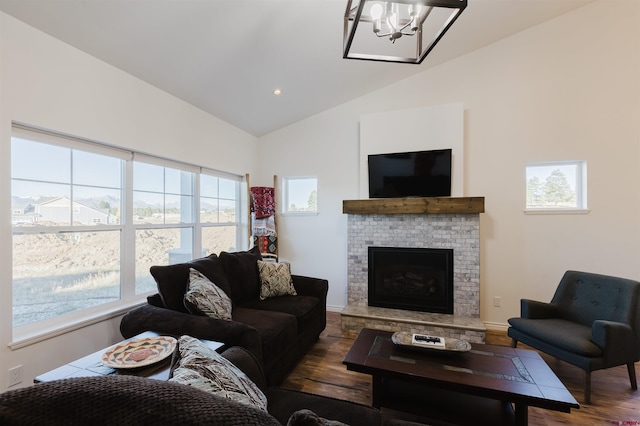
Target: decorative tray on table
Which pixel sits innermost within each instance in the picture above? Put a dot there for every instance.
(425, 342)
(139, 352)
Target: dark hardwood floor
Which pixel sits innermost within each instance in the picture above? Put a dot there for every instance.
(613, 401)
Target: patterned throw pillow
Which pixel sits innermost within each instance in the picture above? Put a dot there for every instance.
(275, 279)
(205, 298)
(205, 369)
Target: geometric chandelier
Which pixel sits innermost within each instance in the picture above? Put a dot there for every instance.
(397, 31)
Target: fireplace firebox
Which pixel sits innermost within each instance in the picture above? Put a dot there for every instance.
(417, 279)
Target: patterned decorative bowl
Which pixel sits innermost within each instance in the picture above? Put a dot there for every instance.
(139, 352)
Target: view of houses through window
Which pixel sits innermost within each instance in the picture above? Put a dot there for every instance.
(77, 246)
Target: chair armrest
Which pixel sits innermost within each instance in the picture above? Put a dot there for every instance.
(167, 321)
(533, 309)
(617, 340)
(308, 286)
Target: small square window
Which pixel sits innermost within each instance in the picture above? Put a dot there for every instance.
(300, 195)
(557, 186)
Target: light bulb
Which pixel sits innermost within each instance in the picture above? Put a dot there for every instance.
(376, 11)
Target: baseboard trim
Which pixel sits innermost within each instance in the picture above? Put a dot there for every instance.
(496, 326)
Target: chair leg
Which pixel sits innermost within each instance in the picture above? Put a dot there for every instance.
(587, 387)
(514, 342)
(631, 368)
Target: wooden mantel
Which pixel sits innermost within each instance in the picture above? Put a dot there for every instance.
(419, 205)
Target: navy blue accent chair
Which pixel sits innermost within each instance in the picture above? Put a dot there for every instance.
(592, 322)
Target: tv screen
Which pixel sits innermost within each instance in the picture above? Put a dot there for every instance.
(410, 174)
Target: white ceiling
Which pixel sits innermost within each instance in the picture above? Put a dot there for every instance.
(227, 56)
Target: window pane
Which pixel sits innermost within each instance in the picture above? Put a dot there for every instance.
(217, 239)
(301, 195)
(54, 274)
(148, 208)
(227, 211)
(228, 189)
(96, 206)
(178, 209)
(39, 203)
(209, 186)
(96, 170)
(148, 177)
(39, 161)
(178, 182)
(554, 185)
(208, 210)
(214, 208)
(160, 247)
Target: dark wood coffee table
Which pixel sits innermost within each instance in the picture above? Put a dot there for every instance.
(91, 365)
(487, 377)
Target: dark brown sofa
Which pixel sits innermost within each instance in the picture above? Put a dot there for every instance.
(278, 330)
(130, 400)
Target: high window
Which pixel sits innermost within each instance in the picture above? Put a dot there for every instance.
(300, 195)
(89, 220)
(556, 186)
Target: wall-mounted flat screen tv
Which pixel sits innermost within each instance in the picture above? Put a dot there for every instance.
(410, 174)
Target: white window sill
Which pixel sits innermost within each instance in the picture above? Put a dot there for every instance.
(556, 211)
(51, 331)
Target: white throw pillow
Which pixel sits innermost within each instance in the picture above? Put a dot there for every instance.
(205, 369)
(205, 298)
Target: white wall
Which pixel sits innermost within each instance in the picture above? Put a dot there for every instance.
(414, 129)
(49, 84)
(564, 90)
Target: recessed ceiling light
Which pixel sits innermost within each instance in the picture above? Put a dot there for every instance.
(277, 92)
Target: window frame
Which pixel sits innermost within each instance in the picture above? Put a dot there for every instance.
(580, 191)
(39, 330)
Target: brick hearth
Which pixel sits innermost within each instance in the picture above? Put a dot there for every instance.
(457, 231)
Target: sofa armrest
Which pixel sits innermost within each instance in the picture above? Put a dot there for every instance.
(166, 321)
(308, 286)
(532, 309)
(248, 364)
(617, 340)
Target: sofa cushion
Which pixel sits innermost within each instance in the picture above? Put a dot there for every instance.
(241, 269)
(275, 279)
(567, 335)
(205, 298)
(277, 329)
(197, 365)
(172, 280)
(304, 308)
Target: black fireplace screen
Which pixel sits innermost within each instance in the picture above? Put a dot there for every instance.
(417, 279)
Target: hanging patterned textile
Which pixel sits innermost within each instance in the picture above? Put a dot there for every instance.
(263, 211)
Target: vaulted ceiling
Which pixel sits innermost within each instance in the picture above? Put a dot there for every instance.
(226, 57)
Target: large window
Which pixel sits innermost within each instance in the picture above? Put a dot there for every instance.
(556, 186)
(89, 220)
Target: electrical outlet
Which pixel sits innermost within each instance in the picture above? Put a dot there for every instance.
(15, 375)
(497, 301)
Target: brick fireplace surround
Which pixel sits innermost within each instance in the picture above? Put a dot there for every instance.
(447, 222)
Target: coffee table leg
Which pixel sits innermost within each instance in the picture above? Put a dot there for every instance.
(522, 414)
(376, 391)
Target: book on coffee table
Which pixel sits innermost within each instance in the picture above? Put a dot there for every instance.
(426, 340)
